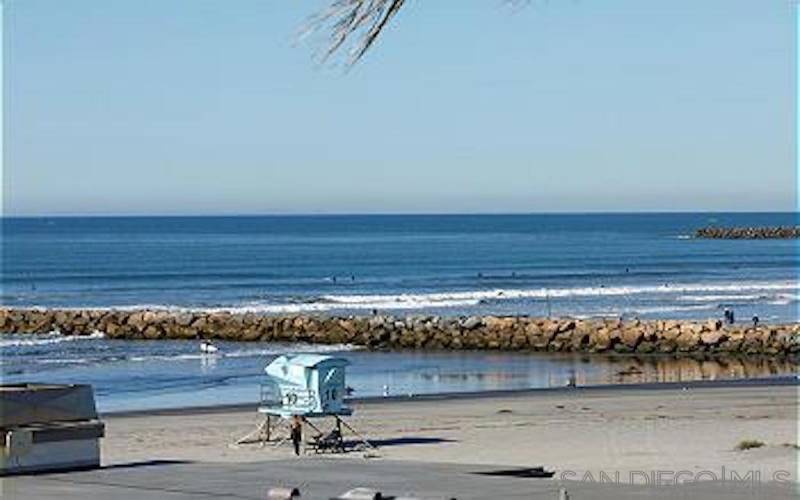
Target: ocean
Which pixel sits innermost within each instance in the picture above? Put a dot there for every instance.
(580, 265)
(577, 265)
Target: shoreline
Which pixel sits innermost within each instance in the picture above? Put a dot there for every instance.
(775, 381)
(500, 333)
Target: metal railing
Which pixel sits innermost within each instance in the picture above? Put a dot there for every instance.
(301, 399)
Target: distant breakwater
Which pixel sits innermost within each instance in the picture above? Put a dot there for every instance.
(748, 233)
(513, 333)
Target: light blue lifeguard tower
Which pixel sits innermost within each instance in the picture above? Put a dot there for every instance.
(307, 386)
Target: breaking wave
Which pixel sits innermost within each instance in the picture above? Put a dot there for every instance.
(669, 309)
(247, 353)
(772, 292)
(32, 340)
(695, 292)
(723, 298)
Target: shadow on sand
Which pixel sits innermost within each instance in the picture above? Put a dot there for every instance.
(146, 463)
(403, 441)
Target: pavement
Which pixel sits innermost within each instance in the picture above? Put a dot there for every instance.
(325, 478)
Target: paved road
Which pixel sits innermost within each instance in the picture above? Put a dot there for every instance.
(323, 478)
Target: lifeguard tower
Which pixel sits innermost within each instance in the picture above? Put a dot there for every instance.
(309, 386)
(306, 385)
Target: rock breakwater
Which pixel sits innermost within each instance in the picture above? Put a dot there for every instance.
(517, 333)
(748, 233)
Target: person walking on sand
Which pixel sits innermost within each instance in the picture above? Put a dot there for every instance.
(297, 433)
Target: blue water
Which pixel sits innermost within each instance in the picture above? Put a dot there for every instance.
(141, 374)
(562, 265)
(130, 375)
(578, 265)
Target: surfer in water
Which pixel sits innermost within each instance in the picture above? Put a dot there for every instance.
(207, 347)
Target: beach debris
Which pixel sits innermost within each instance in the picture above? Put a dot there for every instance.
(370, 453)
(360, 494)
(370, 494)
(749, 444)
(422, 498)
(282, 493)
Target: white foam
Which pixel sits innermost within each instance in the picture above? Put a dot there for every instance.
(75, 361)
(468, 298)
(245, 353)
(389, 302)
(475, 297)
(542, 293)
(28, 340)
(784, 299)
(139, 307)
(293, 348)
(668, 309)
(721, 298)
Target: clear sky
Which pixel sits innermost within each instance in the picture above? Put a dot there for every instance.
(209, 106)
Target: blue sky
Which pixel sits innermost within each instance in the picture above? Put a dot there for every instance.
(209, 106)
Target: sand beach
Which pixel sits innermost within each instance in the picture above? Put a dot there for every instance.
(577, 430)
(602, 443)
(587, 436)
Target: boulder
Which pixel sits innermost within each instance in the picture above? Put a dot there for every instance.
(601, 340)
(646, 347)
(687, 340)
(631, 336)
(713, 337)
(152, 332)
(471, 323)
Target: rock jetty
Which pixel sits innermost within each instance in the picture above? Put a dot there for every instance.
(513, 333)
(749, 233)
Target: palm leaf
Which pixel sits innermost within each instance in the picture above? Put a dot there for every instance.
(357, 23)
(358, 20)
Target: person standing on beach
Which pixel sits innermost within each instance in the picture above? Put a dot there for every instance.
(297, 433)
(729, 317)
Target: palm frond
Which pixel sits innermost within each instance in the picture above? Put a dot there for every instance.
(359, 21)
(345, 20)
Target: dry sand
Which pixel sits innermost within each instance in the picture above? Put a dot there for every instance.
(572, 430)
